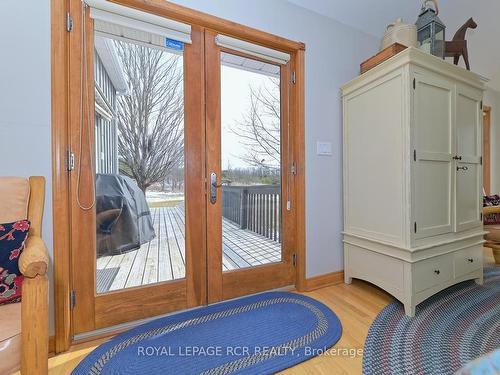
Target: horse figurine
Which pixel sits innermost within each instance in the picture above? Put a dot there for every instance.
(458, 46)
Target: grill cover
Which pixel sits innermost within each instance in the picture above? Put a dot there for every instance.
(123, 217)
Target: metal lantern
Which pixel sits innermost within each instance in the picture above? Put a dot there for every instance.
(431, 30)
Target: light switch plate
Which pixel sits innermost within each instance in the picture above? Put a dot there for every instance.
(324, 148)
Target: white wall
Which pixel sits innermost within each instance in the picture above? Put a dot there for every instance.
(492, 99)
(333, 54)
(25, 138)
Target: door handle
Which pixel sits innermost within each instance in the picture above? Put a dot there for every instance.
(213, 187)
(462, 168)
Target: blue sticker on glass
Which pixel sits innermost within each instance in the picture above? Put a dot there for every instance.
(174, 44)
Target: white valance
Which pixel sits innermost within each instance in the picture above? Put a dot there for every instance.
(122, 21)
(252, 49)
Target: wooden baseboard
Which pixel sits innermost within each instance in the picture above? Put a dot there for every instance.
(322, 281)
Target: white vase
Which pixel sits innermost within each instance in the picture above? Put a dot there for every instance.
(400, 32)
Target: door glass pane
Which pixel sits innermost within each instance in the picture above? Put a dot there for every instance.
(251, 162)
(139, 159)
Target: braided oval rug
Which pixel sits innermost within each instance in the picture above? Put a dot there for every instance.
(449, 329)
(260, 334)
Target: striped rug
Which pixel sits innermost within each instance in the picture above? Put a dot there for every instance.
(450, 329)
(260, 334)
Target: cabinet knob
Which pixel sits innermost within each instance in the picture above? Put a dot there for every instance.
(437, 272)
(470, 260)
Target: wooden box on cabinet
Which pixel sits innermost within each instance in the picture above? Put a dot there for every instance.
(380, 57)
(412, 176)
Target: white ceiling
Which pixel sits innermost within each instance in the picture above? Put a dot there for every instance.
(371, 16)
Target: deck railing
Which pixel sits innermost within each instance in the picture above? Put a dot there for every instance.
(256, 208)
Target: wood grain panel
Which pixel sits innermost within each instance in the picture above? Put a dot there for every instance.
(60, 181)
(82, 178)
(237, 283)
(287, 178)
(194, 148)
(139, 303)
(380, 57)
(325, 280)
(35, 334)
(298, 101)
(213, 154)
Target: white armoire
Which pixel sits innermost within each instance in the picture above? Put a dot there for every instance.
(413, 176)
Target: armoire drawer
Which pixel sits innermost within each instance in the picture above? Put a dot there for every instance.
(432, 272)
(467, 260)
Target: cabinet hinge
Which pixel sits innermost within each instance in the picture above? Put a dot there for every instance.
(414, 155)
(481, 216)
(70, 162)
(415, 226)
(481, 104)
(481, 160)
(294, 78)
(69, 23)
(414, 83)
(294, 169)
(72, 299)
(294, 259)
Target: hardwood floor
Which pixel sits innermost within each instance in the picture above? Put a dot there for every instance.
(356, 305)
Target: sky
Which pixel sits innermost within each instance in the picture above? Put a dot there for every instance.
(235, 102)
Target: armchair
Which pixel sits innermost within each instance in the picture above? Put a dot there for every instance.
(24, 336)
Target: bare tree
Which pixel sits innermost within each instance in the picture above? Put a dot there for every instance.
(259, 129)
(150, 117)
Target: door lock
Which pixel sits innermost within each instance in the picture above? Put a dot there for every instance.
(213, 187)
(456, 157)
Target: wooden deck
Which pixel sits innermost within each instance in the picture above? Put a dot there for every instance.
(164, 258)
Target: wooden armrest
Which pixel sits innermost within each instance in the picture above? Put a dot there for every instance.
(491, 210)
(34, 259)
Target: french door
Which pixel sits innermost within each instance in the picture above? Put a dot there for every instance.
(182, 188)
(250, 184)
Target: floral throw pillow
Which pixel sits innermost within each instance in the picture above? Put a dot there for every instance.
(12, 238)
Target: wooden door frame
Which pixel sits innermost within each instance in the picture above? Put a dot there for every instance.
(487, 150)
(93, 311)
(60, 178)
(60, 48)
(224, 285)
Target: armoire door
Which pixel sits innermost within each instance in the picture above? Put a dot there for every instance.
(469, 152)
(433, 174)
